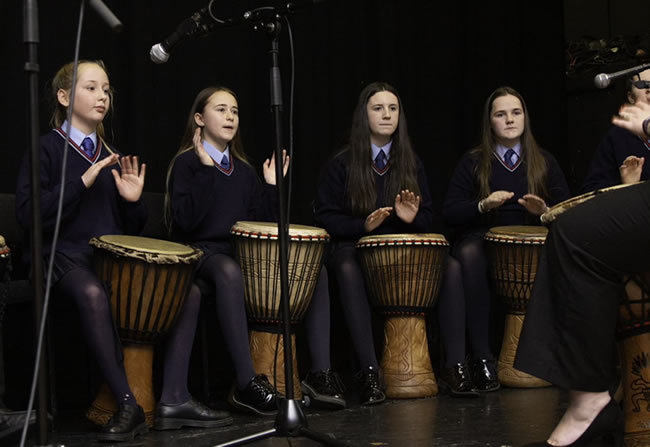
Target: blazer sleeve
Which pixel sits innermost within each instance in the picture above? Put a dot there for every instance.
(461, 201)
(191, 185)
(50, 167)
(330, 209)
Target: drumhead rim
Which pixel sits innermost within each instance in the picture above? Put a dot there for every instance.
(187, 256)
(522, 234)
(559, 208)
(268, 231)
(433, 239)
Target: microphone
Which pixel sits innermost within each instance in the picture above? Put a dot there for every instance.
(603, 80)
(199, 24)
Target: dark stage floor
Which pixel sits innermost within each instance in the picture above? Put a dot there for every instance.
(509, 417)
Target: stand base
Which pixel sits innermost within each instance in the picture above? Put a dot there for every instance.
(290, 422)
(138, 364)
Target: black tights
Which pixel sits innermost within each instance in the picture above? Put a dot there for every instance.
(353, 297)
(82, 285)
(464, 305)
(225, 275)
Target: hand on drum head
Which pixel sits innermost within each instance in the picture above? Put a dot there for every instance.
(495, 200)
(632, 117)
(92, 172)
(268, 167)
(130, 180)
(376, 218)
(199, 150)
(534, 204)
(631, 169)
(407, 205)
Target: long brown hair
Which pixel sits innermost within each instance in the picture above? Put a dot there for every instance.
(531, 153)
(235, 146)
(63, 81)
(360, 187)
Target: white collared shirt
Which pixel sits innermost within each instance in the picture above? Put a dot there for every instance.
(501, 152)
(78, 136)
(385, 148)
(215, 153)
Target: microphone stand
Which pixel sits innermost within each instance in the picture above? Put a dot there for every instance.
(31, 40)
(290, 420)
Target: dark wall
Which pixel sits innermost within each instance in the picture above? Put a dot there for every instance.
(444, 58)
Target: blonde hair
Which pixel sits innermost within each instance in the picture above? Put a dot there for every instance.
(63, 81)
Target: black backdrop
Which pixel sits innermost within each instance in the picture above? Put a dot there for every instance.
(443, 57)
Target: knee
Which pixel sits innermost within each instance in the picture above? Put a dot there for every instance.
(453, 271)
(471, 252)
(346, 267)
(94, 300)
(229, 273)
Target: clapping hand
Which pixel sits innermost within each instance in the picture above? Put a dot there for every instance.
(407, 205)
(130, 181)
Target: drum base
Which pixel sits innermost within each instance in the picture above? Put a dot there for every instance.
(138, 363)
(635, 353)
(262, 346)
(507, 373)
(406, 363)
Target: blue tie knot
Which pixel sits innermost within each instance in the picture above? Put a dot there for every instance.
(510, 158)
(380, 160)
(225, 163)
(88, 146)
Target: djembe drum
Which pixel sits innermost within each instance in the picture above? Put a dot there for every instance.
(258, 250)
(403, 273)
(148, 281)
(513, 253)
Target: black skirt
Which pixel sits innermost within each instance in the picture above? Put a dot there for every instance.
(67, 260)
(569, 334)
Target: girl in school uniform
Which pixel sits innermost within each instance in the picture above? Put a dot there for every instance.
(375, 185)
(211, 185)
(507, 180)
(620, 156)
(102, 196)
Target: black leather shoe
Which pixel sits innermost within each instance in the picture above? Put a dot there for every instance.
(458, 381)
(484, 375)
(371, 391)
(258, 397)
(125, 424)
(325, 389)
(189, 414)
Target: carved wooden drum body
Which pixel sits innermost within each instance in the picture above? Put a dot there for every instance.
(403, 274)
(257, 250)
(513, 253)
(148, 281)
